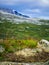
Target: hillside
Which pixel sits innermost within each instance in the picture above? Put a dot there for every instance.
(23, 30)
(19, 34)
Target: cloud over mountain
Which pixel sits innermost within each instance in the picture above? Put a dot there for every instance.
(34, 8)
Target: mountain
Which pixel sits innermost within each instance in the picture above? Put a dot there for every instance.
(16, 17)
(13, 12)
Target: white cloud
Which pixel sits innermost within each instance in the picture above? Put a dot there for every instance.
(39, 7)
(43, 2)
(31, 11)
(36, 10)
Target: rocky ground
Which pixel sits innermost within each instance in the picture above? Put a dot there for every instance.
(39, 54)
(22, 57)
(15, 63)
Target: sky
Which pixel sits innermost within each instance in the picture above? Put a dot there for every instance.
(32, 8)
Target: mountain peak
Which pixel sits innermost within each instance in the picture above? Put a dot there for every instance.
(12, 11)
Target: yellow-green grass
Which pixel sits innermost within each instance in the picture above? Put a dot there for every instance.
(12, 45)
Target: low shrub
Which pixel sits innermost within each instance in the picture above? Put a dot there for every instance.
(30, 43)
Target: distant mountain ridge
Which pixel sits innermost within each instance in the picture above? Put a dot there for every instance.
(16, 17)
(13, 12)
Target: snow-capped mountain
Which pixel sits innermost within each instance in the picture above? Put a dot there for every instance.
(13, 12)
(11, 16)
(15, 17)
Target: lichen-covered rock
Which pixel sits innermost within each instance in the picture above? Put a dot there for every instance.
(46, 49)
(28, 52)
(44, 45)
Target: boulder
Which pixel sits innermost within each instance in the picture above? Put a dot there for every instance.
(44, 44)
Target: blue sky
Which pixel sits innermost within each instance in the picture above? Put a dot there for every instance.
(32, 8)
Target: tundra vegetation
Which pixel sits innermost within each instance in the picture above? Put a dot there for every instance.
(14, 37)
